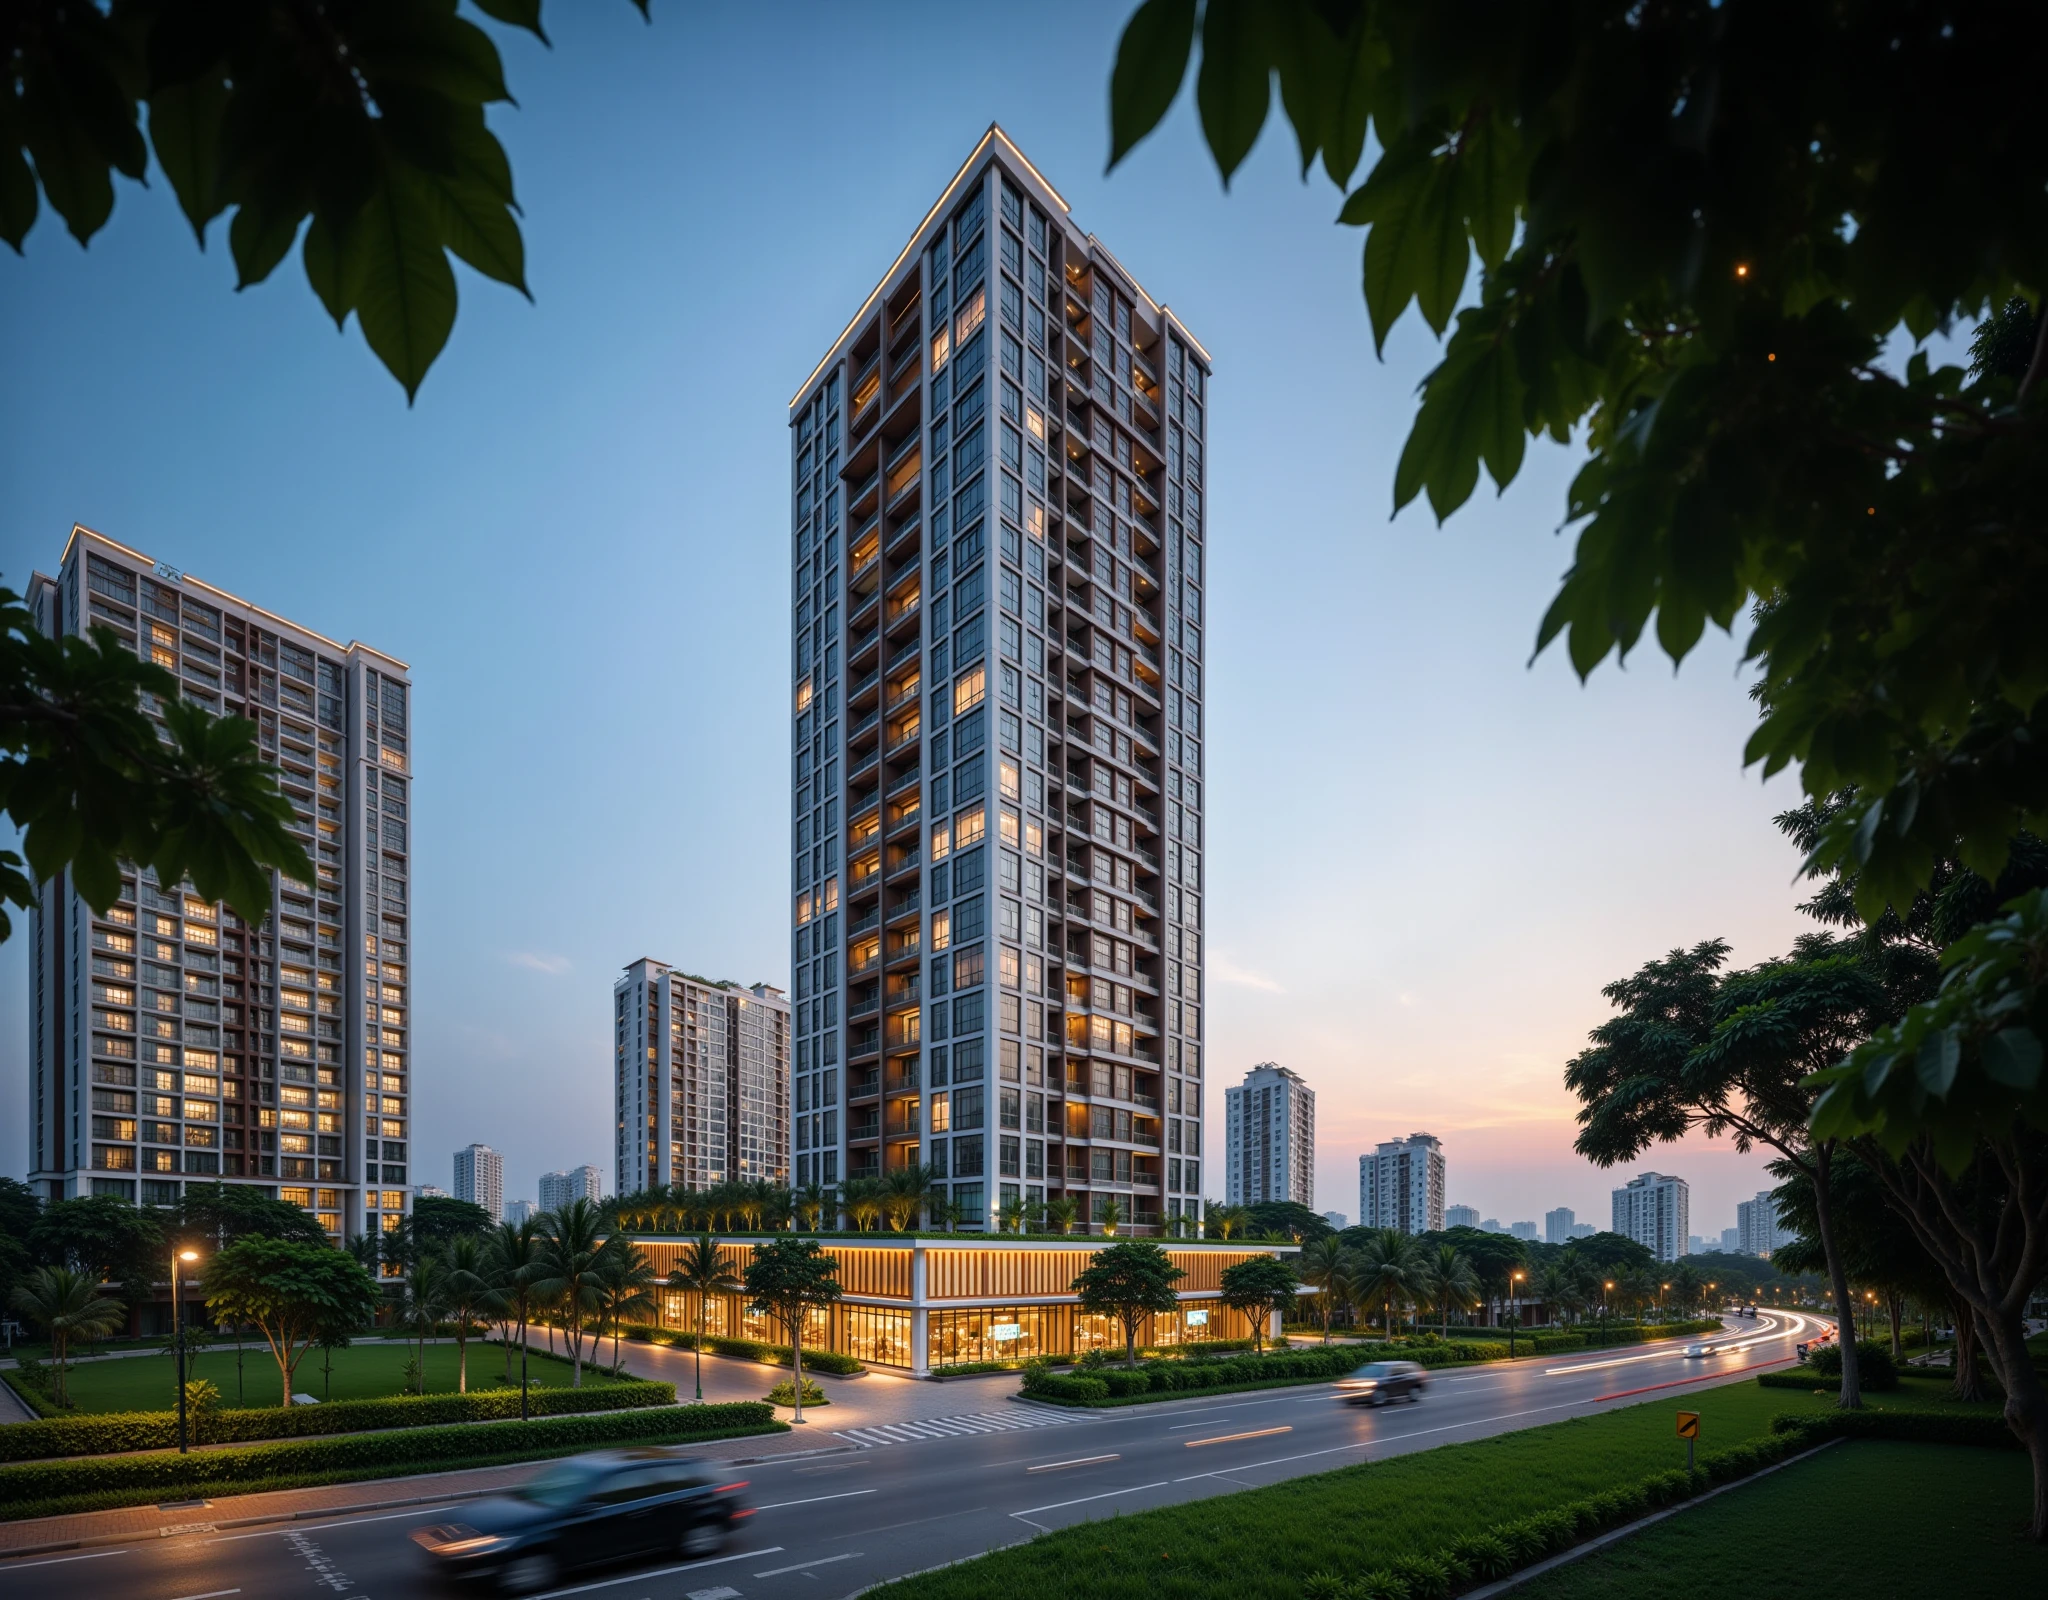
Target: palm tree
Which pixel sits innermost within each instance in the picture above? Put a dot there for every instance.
(1321, 1264)
(1012, 1214)
(812, 1201)
(514, 1258)
(703, 1272)
(1388, 1267)
(947, 1214)
(426, 1298)
(1110, 1213)
(467, 1296)
(1225, 1220)
(1061, 1212)
(904, 1194)
(66, 1305)
(863, 1199)
(626, 1284)
(1687, 1286)
(1447, 1279)
(569, 1275)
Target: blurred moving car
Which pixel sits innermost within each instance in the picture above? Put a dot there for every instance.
(1705, 1347)
(1378, 1382)
(585, 1511)
(1819, 1341)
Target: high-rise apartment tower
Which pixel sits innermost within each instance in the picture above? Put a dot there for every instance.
(170, 1040)
(1558, 1225)
(997, 534)
(1269, 1138)
(703, 1080)
(557, 1189)
(1401, 1185)
(480, 1179)
(1756, 1225)
(1655, 1210)
(1461, 1216)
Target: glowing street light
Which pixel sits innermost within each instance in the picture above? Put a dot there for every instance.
(178, 1321)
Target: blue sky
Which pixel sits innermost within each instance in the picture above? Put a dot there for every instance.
(1427, 855)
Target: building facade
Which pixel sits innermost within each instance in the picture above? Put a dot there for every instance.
(480, 1179)
(1558, 1224)
(1336, 1219)
(557, 1189)
(702, 1080)
(1269, 1138)
(519, 1211)
(1461, 1216)
(1655, 1210)
(1401, 1185)
(997, 537)
(172, 1041)
(1756, 1225)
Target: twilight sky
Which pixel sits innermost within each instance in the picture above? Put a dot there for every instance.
(1426, 855)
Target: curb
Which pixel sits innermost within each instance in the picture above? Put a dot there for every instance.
(1616, 1535)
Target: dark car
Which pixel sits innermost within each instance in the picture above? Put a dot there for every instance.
(612, 1505)
(1378, 1382)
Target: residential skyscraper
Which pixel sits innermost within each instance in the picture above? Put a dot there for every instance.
(1269, 1138)
(1401, 1185)
(703, 1080)
(169, 1039)
(1557, 1225)
(480, 1179)
(517, 1211)
(1731, 1238)
(997, 535)
(557, 1189)
(1336, 1219)
(1523, 1230)
(1655, 1211)
(1461, 1216)
(1756, 1225)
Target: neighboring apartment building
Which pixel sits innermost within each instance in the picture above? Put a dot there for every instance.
(480, 1179)
(169, 1039)
(1461, 1216)
(702, 1080)
(519, 1211)
(1401, 1185)
(1731, 1238)
(1523, 1230)
(997, 536)
(1756, 1225)
(1655, 1210)
(1336, 1219)
(1269, 1138)
(1557, 1225)
(557, 1189)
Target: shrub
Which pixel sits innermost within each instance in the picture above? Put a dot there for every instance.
(1424, 1577)
(1875, 1368)
(1524, 1540)
(1489, 1555)
(1125, 1381)
(1381, 1583)
(373, 1454)
(1073, 1388)
(1324, 1586)
(784, 1394)
(745, 1349)
(1913, 1427)
(115, 1431)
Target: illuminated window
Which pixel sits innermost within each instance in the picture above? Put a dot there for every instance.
(296, 1119)
(1009, 826)
(942, 1112)
(972, 314)
(1007, 781)
(392, 1220)
(969, 690)
(942, 841)
(1034, 837)
(942, 929)
(302, 1198)
(968, 828)
(292, 1095)
(163, 657)
(396, 1130)
(941, 348)
(803, 696)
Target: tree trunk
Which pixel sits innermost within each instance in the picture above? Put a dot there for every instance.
(796, 1365)
(1968, 1384)
(2026, 1401)
(1838, 1279)
(461, 1358)
(1895, 1304)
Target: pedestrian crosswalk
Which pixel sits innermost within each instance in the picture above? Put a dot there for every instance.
(1005, 1421)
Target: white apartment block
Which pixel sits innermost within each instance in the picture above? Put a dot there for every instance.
(170, 1040)
(1269, 1138)
(480, 1179)
(997, 536)
(703, 1080)
(519, 1211)
(1461, 1216)
(1655, 1210)
(1756, 1225)
(1558, 1225)
(1401, 1185)
(557, 1189)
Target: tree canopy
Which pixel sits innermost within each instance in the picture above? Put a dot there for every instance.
(437, 1220)
(293, 1293)
(1128, 1281)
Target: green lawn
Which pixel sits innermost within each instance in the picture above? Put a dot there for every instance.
(1873, 1520)
(1262, 1543)
(361, 1372)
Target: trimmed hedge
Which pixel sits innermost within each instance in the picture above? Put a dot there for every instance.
(1102, 1384)
(745, 1349)
(1975, 1428)
(111, 1432)
(374, 1454)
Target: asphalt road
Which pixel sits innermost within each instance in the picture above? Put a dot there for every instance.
(829, 1525)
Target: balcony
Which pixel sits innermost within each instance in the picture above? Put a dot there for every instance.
(867, 920)
(907, 861)
(865, 1008)
(905, 693)
(908, 906)
(861, 644)
(904, 780)
(908, 652)
(904, 537)
(868, 1127)
(905, 740)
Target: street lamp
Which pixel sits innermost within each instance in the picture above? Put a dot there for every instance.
(1603, 1313)
(178, 1324)
(1515, 1312)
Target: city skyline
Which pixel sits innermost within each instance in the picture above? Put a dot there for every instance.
(570, 415)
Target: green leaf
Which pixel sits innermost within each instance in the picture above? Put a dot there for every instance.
(1492, 186)
(405, 291)
(1471, 411)
(1151, 60)
(1308, 60)
(474, 217)
(184, 128)
(1361, 63)
(259, 238)
(1936, 1061)
(329, 267)
(2012, 1057)
(1415, 247)
(1234, 87)
(518, 14)
(18, 203)
(74, 170)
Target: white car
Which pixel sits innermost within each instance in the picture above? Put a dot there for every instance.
(1704, 1348)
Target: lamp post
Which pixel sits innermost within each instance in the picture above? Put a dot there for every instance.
(1514, 1311)
(178, 1326)
(1609, 1289)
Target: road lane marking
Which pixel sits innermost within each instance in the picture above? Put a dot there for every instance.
(1060, 1505)
(1232, 1438)
(1078, 1461)
(850, 1494)
(1364, 1444)
(659, 1572)
(1698, 1377)
(58, 1561)
(211, 1594)
(350, 1522)
(805, 1566)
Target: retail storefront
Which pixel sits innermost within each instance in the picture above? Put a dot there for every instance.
(924, 1303)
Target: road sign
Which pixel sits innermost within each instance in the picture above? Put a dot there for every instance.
(1688, 1424)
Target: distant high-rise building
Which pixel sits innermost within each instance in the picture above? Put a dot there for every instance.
(1401, 1185)
(998, 519)
(1695, 1245)
(1523, 1230)
(480, 1178)
(1269, 1138)
(429, 1191)
(1491, 1225)
(1583, 1230)
(1654, 1210)
(702, 1080)
(1756, 1225)
(557, 1189)
(1731, 1240)
(172, 1041)
(1335, 1219)
(1557, 1225)
(1461, 1216)
(518, 1211)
